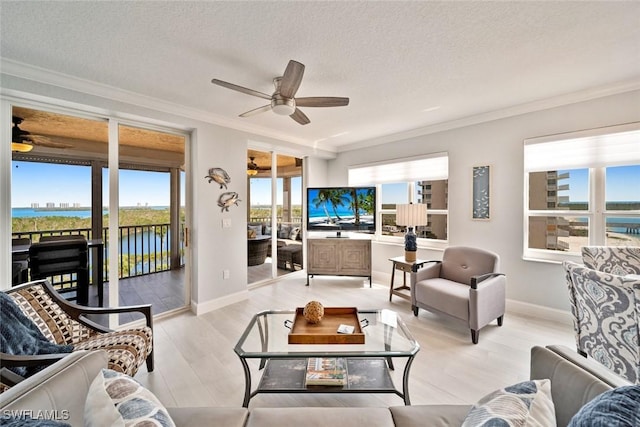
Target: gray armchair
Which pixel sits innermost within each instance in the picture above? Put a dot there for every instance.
(465, 285)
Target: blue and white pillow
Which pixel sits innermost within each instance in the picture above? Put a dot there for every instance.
(116, 399)
(527, 403)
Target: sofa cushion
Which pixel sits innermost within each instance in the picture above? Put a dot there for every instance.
(284, 231)
(257, 229)
(449, 297)
(619, 407)
(209, 416)
(527, 403)
(429, 415)
(320, 417)
(116, 399)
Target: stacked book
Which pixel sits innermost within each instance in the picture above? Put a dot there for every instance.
(326, 371)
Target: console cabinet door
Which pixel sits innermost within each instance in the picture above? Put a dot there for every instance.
(339, 256)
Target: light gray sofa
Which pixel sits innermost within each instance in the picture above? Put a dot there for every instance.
(64, 386)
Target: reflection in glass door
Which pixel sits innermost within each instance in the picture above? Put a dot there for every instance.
(277, 250)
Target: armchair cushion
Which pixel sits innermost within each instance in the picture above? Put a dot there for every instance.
(127, 349)
(20, 336)
(448, 296)
(461, 263)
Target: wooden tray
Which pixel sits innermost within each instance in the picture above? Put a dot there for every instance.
(325, 332)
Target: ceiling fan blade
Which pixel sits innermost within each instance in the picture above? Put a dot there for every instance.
(43, 141)
(291, 79)
(322, 101)
(256, 111)
(300, 117)
(240, 89)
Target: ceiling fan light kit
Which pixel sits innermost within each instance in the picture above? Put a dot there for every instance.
(21, 147)
(283, 101)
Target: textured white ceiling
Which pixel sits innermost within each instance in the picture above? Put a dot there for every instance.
(404, 65)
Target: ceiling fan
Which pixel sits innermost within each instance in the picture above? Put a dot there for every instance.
(253, 168)
(23, 141)
(283, 100)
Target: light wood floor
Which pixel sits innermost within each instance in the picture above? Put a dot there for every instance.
(196, 365)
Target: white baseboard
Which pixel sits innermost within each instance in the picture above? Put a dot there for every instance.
(217, 303)
(540, 311)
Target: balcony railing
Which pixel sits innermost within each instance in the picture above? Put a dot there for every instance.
(143, 249)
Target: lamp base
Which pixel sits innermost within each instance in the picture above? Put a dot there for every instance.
(410, 256)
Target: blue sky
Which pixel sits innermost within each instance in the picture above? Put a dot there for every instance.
(261, 191)
(42, 183)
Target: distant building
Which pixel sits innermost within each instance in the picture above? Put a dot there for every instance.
(64, 204)
(35, 205)
(77, 205)
(435, 194)
(545, 231)
(51, 205)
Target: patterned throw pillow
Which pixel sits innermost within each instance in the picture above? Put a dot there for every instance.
(26, 421)
(116, 399)
(527, 403)
(619, 407)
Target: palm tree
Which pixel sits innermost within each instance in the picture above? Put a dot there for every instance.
(353, 205)
(321, 200)
(338, 197)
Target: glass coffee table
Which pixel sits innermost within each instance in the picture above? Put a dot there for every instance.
(284, 365)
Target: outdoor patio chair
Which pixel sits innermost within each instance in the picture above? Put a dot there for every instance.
(68, 259)
(65, 323)
(606, 309)
(20, 263)
(465, 285)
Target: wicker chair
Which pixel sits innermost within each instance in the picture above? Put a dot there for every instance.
(63, 322)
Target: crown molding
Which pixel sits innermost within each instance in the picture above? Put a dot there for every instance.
(65, 81)
(516, 110)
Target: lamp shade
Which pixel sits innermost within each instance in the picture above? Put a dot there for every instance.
(411, 215)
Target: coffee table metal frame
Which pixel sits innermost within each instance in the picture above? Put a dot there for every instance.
(386, 337)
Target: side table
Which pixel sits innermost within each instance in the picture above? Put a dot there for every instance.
(399, 263)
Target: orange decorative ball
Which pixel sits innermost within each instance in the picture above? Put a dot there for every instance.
(313, 312)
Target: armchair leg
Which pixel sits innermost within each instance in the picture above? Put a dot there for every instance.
(415, 309)
(150, 362)
(500, 319)
(474, 336)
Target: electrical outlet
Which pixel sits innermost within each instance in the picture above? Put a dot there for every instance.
(226, 223)
(225, 274)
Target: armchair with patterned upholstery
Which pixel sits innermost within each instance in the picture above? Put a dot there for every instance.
(620, 260)
(466, 285)
(606, 312)
(65, 323)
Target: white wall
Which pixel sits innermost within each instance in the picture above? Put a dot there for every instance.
(497, 143)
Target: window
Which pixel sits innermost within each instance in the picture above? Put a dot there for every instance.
(423, 180)
(582, 189)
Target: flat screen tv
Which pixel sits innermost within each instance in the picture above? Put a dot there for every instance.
(341, 209)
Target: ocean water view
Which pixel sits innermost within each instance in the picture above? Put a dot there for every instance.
(81, 212)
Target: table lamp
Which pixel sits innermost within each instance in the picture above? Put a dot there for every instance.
(411, 215)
